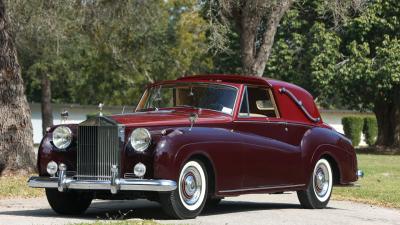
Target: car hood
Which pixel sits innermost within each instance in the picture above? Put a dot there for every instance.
(170, 117)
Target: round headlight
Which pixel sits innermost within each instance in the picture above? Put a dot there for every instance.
(62, 137)
(140, 139)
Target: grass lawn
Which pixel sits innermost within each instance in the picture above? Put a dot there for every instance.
(381, 182)
(17, 187)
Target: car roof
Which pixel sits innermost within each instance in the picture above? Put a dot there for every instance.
(228, 78)
(288, 108)
(235, 80)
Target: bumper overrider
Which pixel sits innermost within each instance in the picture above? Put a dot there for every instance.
(115, 184)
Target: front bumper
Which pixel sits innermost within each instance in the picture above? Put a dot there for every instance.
(113, 185)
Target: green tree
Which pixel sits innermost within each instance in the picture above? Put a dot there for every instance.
(370, 72)
(135, 42)
(306, 51)
(354, 65)
(106, 51)
(42, 31)
(256, 23)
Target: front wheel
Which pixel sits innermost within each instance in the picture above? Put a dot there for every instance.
(70, 202)
(187, 201)
(319, 189)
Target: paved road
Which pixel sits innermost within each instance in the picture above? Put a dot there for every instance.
(248, 209)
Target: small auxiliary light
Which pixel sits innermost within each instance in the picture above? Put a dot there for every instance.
(139, 170)
(52, 168)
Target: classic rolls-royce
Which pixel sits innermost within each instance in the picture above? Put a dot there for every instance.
(195, 140)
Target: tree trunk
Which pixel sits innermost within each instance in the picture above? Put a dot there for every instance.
(248, 25)
(16, 139)
(254, 59)
(382, 112)
(396, 120)
(47, 110)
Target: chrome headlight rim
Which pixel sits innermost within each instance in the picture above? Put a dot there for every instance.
(139, 142)
(62, 132)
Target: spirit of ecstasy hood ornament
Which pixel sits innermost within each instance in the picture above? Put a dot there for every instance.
(192, 118)
(64, 116)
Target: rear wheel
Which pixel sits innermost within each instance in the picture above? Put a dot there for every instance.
(70, 202)
(188, 200)
(319, 190)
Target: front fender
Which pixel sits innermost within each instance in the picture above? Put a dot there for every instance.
(220, 146)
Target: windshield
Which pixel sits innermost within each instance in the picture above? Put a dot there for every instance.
(196, 95)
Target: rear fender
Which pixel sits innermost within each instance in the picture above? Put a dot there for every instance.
(318, 142)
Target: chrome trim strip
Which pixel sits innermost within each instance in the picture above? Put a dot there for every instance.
(277, 122)
(120, 184)
(299, 104)
(262, 188)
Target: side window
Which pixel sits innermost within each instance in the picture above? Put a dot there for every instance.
(258, 102)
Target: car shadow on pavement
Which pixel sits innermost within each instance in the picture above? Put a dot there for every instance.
(143, 209)
(243, 206)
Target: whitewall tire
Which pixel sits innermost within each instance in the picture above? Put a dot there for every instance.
(188, 200)
(319, 189)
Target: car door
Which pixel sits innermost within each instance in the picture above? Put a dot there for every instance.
(269, 160)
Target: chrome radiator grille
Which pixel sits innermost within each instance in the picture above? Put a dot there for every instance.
(97, 151)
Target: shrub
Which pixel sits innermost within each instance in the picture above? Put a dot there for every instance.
(353, 126)
(370, 130)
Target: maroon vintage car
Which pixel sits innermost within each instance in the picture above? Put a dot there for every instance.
(192, 142)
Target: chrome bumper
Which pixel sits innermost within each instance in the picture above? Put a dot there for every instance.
(114, 186)
(360, 173)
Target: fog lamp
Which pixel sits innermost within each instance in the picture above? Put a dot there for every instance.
(139, 170)
(52, 168)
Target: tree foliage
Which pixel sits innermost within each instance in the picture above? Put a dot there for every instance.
(370, 72)
(306, 51)
(345, 53)
(106, 51)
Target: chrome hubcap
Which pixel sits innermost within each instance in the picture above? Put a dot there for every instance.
(191, 185)
(321, 180)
